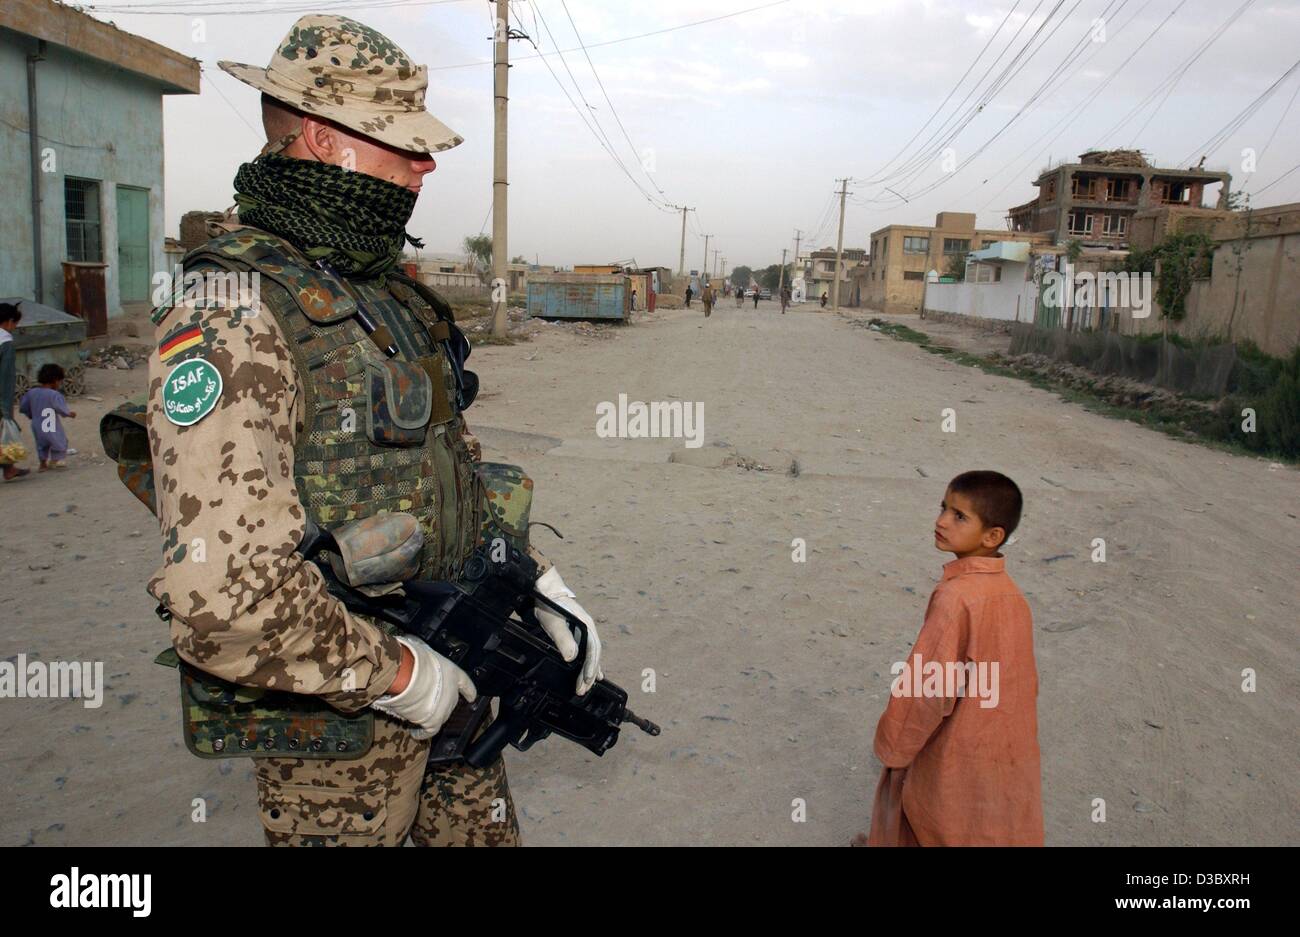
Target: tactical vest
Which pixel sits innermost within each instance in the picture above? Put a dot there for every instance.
(379, 433)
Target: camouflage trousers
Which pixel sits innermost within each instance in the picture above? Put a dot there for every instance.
(384, 796)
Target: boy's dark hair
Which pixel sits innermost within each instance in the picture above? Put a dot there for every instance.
(49, 373)
(9, 312)
(997, 499)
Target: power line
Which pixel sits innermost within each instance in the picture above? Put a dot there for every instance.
(205, 7)
(942, 103)
(610, 42)
(588, 122)
(1068, 116)
(613, 110)
(1024, 108)
(926, 151)
(1179, 71)
(1221, 137)
(1277, 180)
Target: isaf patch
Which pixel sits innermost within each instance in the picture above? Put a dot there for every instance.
(191, 391)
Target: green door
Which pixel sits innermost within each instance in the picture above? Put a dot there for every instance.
(132, 244)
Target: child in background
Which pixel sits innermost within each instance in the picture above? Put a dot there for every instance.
(45, 406)
(962, 768)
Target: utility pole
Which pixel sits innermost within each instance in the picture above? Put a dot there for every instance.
(715, 264)
(839, 249)
(501, 67)
(704, 270)
(798, 236)
(780, 280)
(681, 262)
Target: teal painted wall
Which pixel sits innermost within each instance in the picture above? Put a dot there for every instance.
(99, 122)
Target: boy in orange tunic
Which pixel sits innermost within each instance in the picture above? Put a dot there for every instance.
(959, 737)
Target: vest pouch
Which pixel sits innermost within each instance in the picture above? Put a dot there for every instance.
(399, 395)
(225, 720)
(506, 498)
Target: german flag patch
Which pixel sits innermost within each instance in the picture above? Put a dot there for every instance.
(181, 340)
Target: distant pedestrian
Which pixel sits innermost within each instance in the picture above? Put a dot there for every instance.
(12, 436)
(740, 297)
(689, 293)
(756, 292)
(785, 298)
(45, 406)
(708, 298)
(823, 299)
(634, 300)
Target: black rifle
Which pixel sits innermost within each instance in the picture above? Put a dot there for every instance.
(485, 623)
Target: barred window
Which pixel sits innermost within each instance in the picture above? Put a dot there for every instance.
(81, 214)
(916, 245)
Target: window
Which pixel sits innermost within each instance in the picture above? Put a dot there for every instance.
(913, 275)
(1114, 224)
(916, 245)
(1080, 222)
(81, 214)
(1083, 187)
(1117, 189)
(956, 245)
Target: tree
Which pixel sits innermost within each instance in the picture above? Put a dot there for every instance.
(770, 277)
(740, 276)
(957, 266)
(519, 259)
(479, 249)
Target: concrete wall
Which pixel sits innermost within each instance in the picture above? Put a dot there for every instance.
(1253, 291)
(100, 123)
(1010, 300)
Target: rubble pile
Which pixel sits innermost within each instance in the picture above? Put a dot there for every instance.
(118, 357)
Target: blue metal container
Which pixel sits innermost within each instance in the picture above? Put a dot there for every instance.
(579, 296)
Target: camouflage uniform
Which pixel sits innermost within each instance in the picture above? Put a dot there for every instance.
(235, 488)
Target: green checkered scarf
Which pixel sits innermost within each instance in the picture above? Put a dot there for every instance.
(355, 222)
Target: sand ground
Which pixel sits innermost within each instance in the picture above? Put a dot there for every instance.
(769, 674)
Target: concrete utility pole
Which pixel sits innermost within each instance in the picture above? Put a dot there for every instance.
(780, 279)
(501, 57)
(704, 269)
(681, 261)
(798, 236)
(839, 249)
(714, 268)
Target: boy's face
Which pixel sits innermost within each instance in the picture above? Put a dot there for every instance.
(959, 530)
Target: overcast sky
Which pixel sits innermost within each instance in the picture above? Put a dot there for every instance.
(751, 119)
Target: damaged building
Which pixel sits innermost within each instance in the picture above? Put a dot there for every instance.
(1095, 200)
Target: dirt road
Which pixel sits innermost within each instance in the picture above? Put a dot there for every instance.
(769, 674)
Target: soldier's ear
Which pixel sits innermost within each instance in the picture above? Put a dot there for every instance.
(322, 140)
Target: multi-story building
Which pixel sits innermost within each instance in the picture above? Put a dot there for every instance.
(821, 272)
(1094, 200)
(902, 255)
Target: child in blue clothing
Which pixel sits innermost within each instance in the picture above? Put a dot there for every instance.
(45, 406)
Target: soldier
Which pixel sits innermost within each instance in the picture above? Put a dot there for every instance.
(334, 396)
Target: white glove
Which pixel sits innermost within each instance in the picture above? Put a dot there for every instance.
(552, 586)
(435, 688)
